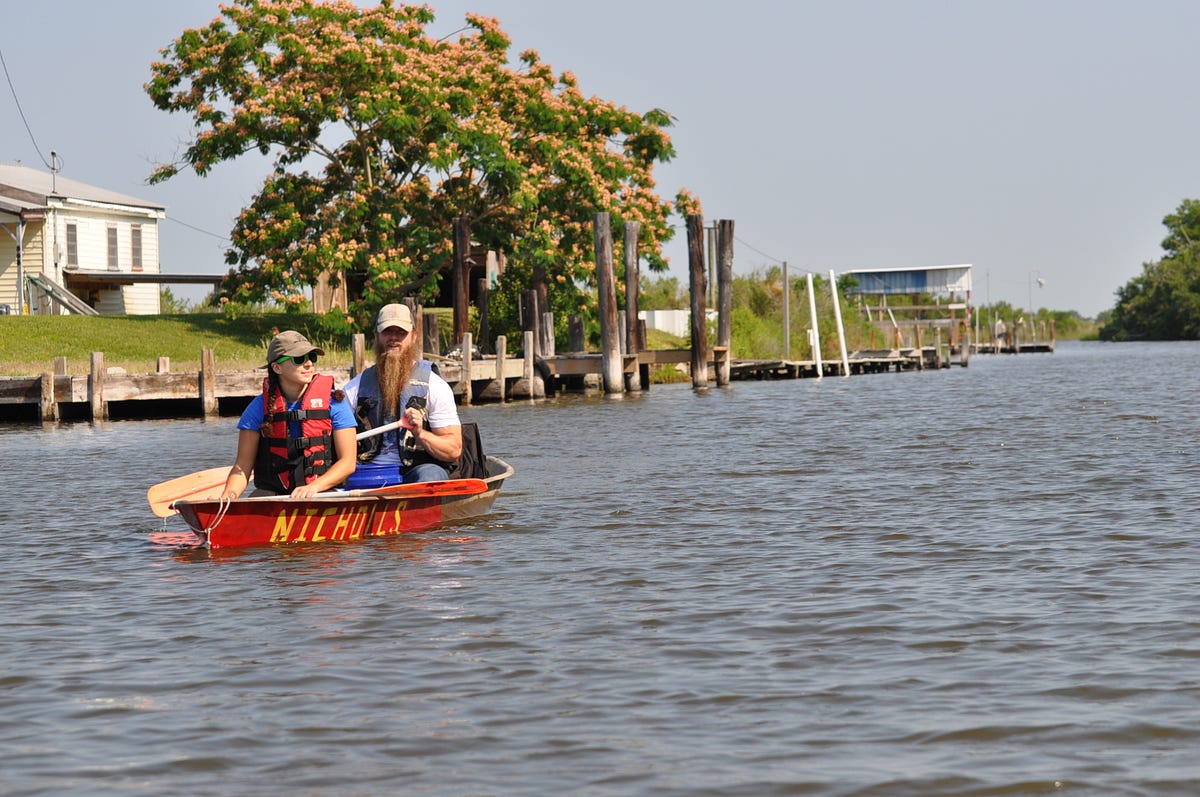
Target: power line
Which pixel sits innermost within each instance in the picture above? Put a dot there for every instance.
(223, 239)
(761, 252)
(21, 112)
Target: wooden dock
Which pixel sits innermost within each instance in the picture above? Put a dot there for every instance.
(110, 392)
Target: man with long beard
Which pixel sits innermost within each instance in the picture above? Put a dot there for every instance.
(401, 387)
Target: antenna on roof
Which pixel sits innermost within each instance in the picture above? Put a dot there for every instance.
(55, 165)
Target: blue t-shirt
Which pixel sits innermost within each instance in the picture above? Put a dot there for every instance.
(340, 413)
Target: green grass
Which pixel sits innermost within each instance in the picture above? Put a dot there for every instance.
(29, 344)
(657, 339)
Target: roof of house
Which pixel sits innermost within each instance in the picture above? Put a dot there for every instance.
(24, 188)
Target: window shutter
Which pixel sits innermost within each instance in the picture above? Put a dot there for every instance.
(113, 265)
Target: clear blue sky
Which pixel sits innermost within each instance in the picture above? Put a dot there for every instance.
(1030, 138)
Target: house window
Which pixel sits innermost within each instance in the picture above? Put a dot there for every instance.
(136, 246)
(112, 249)
(72, 246)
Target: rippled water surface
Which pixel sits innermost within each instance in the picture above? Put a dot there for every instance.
(978, 581)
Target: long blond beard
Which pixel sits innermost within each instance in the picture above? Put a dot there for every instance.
(394, 368)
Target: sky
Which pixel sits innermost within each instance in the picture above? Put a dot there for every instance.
(1038, 140)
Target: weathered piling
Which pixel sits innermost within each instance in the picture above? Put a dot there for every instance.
(208, 383)
(610, 344)
(725, 297)
(632, 286)
(697, 282)
(531, 318)
(461, 277)
(464, 383)
(96, 387)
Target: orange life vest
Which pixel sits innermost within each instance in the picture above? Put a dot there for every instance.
(284, 460)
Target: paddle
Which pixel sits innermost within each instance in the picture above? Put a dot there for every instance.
(208, 484)
(200, 486)
(414, 489)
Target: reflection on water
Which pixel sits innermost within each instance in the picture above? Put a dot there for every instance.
(975, 581)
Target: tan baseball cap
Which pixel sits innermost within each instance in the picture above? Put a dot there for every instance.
(290, 344)
(394, 315)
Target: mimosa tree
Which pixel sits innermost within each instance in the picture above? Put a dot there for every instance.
(382, 135)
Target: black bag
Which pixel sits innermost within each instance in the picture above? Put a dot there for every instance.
(471, 463)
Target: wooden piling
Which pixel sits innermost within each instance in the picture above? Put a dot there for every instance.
(96, 387)
(530, 320)
(501, 355)
(632, 286)
(48, 410)
(725, 297)
(575, 335)
(528, 370)
(432, 340)
(546, 332)
(465, 379)
(358, 354)
(698, 287)
(418, 319)
(208, 383)
(461, 280)
(610, 343)
(481, 303)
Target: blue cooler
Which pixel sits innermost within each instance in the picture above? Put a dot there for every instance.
(368, 476)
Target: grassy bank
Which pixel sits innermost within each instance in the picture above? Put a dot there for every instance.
(29, 344)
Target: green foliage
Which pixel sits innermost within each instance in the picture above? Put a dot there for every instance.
(1183, 227)
(383, 136)
(662, 293)
(168, 304)
(757, 321)
(1068, 324)
(1163, 302)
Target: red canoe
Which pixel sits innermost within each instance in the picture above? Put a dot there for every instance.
(339, 516)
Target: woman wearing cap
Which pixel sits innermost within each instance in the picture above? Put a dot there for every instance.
(298, 436)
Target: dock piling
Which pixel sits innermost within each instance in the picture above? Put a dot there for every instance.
(610, 341)
(699, 289)
(96, 387)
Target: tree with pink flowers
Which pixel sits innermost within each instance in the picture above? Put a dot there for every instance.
(382, 135)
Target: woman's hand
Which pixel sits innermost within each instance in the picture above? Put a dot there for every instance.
(303, 491)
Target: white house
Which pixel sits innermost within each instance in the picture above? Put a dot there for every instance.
(66, 246)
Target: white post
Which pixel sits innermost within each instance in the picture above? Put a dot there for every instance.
(787, 316)
(837, 314)
(814, 334)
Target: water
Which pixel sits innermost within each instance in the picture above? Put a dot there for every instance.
(977, 581)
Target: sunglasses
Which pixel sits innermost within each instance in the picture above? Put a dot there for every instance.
(299, 359)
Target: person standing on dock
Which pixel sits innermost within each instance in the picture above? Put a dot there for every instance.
(298, 436)
(399, 386)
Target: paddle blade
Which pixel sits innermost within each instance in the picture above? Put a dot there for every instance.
(449, 487)
(417, 489)
(204, 485)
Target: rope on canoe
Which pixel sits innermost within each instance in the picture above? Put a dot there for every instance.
(225, 502)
